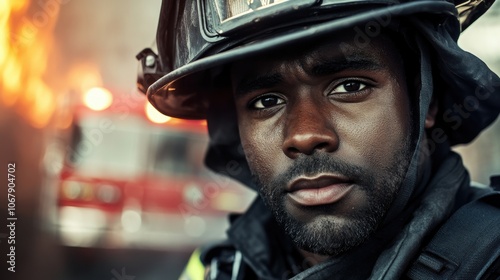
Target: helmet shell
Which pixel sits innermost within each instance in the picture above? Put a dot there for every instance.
(195, 40)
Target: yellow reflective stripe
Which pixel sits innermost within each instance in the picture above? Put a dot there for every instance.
(194, 270)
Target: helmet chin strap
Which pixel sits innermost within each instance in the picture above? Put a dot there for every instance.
(225, 154)
(419, 167)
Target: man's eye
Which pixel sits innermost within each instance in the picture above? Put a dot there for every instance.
(349, 86)
(266, 102)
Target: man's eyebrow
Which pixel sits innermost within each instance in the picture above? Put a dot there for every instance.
(331, 66)
(259, 82)
(322, 67)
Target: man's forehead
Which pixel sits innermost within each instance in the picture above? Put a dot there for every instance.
(321, 57)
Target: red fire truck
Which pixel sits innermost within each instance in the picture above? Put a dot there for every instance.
(135, 178)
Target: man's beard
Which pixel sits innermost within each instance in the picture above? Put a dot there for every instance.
(324, 235)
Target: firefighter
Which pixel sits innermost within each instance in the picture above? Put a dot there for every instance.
(341, 115)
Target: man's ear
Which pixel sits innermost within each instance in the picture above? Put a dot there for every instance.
(430, 118)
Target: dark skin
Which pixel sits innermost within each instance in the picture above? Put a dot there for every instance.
(351, 106)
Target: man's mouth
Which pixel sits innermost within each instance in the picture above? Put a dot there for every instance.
(319, 190)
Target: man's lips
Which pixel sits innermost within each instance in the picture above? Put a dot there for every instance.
(320, 190)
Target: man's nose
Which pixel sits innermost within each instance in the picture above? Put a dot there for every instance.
(309, 128)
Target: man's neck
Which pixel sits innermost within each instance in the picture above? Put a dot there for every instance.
(311, 259)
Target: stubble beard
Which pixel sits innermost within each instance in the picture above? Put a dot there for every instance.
(325, 235)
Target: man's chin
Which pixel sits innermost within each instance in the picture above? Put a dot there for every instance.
(328, 235)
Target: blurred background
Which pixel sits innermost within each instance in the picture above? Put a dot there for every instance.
(106, 188)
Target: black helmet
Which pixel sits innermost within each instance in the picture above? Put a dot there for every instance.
(196, 37)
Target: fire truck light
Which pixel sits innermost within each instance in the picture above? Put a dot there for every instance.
(131, 221)
(155, 116)
(229, 202)
(81, 226)
(71, 189)
(98, 98)
(108, 193)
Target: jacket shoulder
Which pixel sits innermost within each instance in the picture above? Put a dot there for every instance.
(467, 246)
(195, 269)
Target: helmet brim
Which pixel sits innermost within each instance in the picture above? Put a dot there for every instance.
(182, 93)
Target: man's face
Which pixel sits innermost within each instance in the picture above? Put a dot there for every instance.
(326, 133)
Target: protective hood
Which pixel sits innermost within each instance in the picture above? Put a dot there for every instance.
(467, 91)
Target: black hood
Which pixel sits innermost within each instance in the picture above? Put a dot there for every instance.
(444, 71)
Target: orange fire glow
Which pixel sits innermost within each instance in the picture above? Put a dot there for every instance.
(25, 41)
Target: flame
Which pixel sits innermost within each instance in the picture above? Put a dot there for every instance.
(25, 41)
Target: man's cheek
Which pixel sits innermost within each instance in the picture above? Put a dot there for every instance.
(262, 168)
(261, 155)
